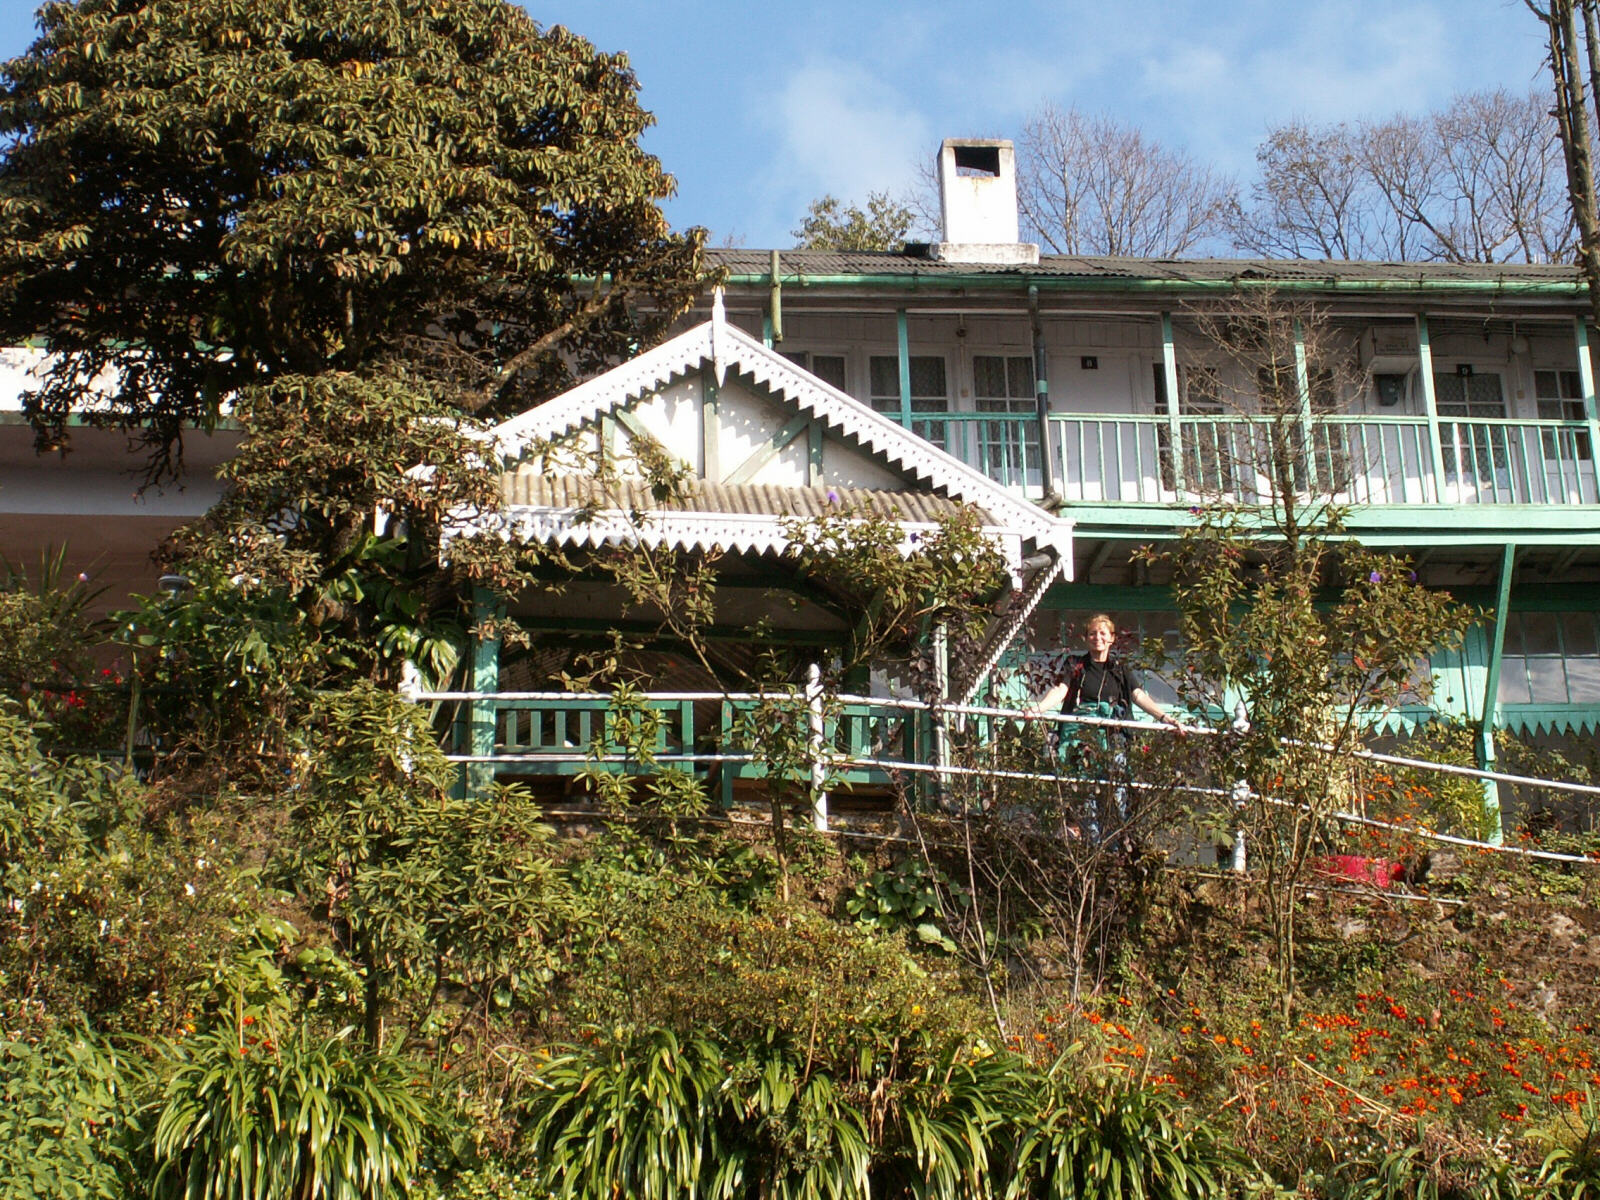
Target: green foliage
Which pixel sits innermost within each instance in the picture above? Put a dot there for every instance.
(202, 196)
(830, 225)
(847, 1001)
(906, 897)
(422, 886)
(660, 1116)
(1115, 1142)
(657, 1114)
(67, 1118)
(260, 1106)
(943, 576)
(106, 913)
(46, 627)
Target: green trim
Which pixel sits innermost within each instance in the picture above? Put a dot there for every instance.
(481, 722)
(1591, 411)
(1546, 597)
(1019, 281)
(78, 420)
(903, 350)
(814, 453)
(1405, 525)
(630, 424)
(1491, 694)
(746, 470)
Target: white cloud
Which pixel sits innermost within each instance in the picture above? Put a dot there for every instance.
(842, 130)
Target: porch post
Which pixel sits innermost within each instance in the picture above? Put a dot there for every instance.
(481, 721)
(1591, 411)
(903, 347)
(1491, 695)
(1169, 374)
(1302, 388)
(814, 749)
(1430, 405)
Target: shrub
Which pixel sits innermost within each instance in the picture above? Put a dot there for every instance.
(260, 1105)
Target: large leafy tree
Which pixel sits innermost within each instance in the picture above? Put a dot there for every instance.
(199, 195)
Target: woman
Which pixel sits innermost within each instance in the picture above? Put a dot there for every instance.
(1099, 684)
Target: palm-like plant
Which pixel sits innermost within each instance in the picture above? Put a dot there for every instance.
(258, 1111)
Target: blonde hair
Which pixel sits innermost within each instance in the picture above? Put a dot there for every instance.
(1100, 619)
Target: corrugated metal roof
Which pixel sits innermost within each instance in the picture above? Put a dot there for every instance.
(528, 486)
(1189, 270)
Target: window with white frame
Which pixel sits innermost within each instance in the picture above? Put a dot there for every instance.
(1559, 395)
(1008, 447)
(930, 390)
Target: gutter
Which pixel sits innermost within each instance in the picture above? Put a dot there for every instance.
(917, 281)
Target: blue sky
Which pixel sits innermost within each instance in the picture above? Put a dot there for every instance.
(762, 107)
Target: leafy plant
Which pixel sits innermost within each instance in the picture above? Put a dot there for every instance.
(907, 896)
(67, 1117)
(259, 1106)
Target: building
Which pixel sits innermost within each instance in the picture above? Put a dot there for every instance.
(1452, 408)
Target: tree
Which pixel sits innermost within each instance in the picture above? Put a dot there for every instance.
(828, 225)
(1089, 185)
(1473, 182)
(199, 196)
(1572, 120)
(1278, 609)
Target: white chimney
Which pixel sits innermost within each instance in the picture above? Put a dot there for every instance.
(978, 204)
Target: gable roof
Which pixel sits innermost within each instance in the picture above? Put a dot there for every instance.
(724, 347)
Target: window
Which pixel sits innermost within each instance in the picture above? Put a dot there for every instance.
(1008, 448)
(930, 392)
(1209, 458)
(1559, 395)
(1469, 395)
(1550, 658)
(1475, 454)
(827, 367)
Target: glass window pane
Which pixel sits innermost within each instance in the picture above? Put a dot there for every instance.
(1577, 635)
(885, 370)
(1019, 374)
(988, 376)
(829, 368)
(1540, 634)
(1583, 680)
(1513, 680)
(1548, 680)
(1544, 385)
(927, 376)
(1513, 635)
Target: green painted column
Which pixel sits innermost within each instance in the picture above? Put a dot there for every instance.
(481, 723)
(1491, 694)
(903, 347)
(1431, 404)
(1169, 374)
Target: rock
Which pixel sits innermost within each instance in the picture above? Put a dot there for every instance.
(1349, 928)
(1564, 929)
(1443, 866)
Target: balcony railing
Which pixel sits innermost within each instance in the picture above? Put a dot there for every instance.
(1360, 460)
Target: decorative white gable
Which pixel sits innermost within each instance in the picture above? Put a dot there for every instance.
(750, 425)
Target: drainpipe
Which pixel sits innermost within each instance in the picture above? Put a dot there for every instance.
(1041, 393)
(777, 302)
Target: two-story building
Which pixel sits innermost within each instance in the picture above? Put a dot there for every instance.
(1450, 409)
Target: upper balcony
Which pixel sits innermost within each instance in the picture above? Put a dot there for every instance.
(1464, 401)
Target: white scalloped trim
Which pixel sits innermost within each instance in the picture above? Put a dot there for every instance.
(727, 345)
